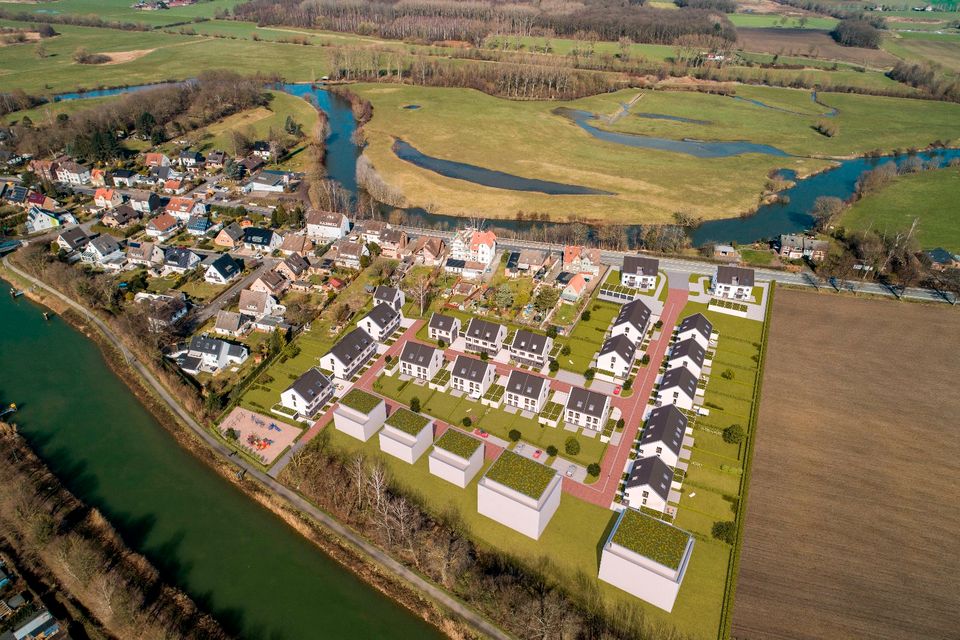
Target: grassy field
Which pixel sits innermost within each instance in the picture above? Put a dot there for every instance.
(851, 519)
(121, 11)
(816, 43)
(930, 196)
(760, 20)
(939, 49)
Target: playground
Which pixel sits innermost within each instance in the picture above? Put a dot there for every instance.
(262, 436)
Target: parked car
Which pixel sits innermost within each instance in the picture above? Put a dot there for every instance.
(572, 469)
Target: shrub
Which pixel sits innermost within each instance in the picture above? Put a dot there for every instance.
(514, 435)
(620, 424)
(733, 434)
(441, 343)
(467, 421)
(725, 531)
(645, 360)
(571, 446)
(388, 359)
(552, 331)
(233, 434)
(727, 374)
(415, 404)
(628, 385)
(554, 366)
(552, 451)
(484, 356)
(586, 316)
(565, 351)
(589, 374)
(658, 324)
(593, 469)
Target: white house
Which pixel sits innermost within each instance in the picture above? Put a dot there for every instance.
(632, 321)
(445, 328)
(145, 202)
(587, 409)
(519, 493)
(689, 354)
(526, 391)
(348, 254)
(231, 323)
(696, 327)
(70, 172)
(259, 304)
(531, 348)
(420, 360)
(390, 295)
(106, 198)
(147, 254)
(471, 245)
(223, 270)
(580, 259)
(616, 356)
(350, 354)
(648, 484)
(663, 436)
(406, 435)
(639, 272)
(733, 282)
(40, 219)
(183, 208)
(678, 387)
(103, 251)
(72, 239)
(308, 393)
(163, 226)
(262, 240)
(327, 225)
(382, 321)
(651, 572)
(210, 355)
(179, 260)
(359, 414)
(472, 376)
(485, 336)
(456, 457)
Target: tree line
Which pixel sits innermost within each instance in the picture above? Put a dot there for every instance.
(931, 80)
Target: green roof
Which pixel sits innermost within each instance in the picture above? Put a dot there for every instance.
(407, 421)
(521, 474)
(458, 443)
(651, 538)
(360, 400)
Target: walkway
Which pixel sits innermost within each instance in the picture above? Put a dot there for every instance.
(293, 499)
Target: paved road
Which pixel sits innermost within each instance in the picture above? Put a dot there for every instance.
(293, 499)
(226, 296)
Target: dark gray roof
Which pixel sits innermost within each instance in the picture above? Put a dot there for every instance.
(641, 266)
(470, 368)
(199, 223)
(122, 173)
(621, 344)
(234, 230)
(652, 472)
(75, 237)
(455, 263)
(417, 354)
(636, 313)
(699, 323)
(351, 346)
(940, 256)
(530, 342)
(586, 401)
(178, 256)
(105, 244)
(297, 263)
(123, 214)
(666, 424)
(483, 329)
(226, 266)
(382, 314)
(442, 322)
(385, 294)
(311, 384)
(682, 378)
(737, 276)
(691, 348)
(257, 236)
(205, 344)
(525, 384)
(189, 363)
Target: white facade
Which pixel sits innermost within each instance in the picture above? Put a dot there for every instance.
(454, 469)
(448, 336)
(401, 444)
(482, 340)
(644, 495)
(526, 403)
(377, 331)
(629, 330)
(357, 424)
(425, 371)
(327, 225)
(685, 361)
(474, 388)
(638, 281)
(513, 509)
(614, 363)
(659, 449)
(702, 340)
(737, 292)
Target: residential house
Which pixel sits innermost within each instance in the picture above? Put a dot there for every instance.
(531, 348)
(348, 254)
(575, 288)
(583, 260)
(406, 435)
(471, 245)
(35, 198)
(726, 253)
(272, 283)
(162, 310)
(616, 356)
(504, 495)
(250, 165)
(17, 195)
(420, 360)
(485, 336)
(231, 323)
(268, 182)
(533, 260)
(106, 198)
(526, 391)
(632, 321)
(296, 244)
(215, 160)
(648, 484)
(472, 376)
(98, 177)
(696, 327)
(183, 208)
(39, 219)
(179, 260)
(190, 159)
(663, 435)
(199, 225)
(223, 270)
(123, 177)
(349, 355)
(678, 387)
(145, 202)
(639, 272)
(327, 225)
(259, 304)
(231, 236)
(210, 355)
(120, 217)
(293, 267)
(46, 169)
(262, 149)
(308, 393)
(261, 240)
(174, 185)
(795, 246)
(393, 243)
(587, 409)
(390, 295)
(158, 176)
(146, 254)
(156, 160)
(372, 229)
(72, 239)
(70, 172)
(163, 226)
(733, 282)
(103, 251)
(382, 321)
(688, 353)
(428, 251)
(359, 414)
(445, 328)
(941, 259)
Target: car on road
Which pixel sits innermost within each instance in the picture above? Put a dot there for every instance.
(616, 390)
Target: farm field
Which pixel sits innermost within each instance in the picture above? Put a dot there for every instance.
(772, 20)
(929, 195)
(120, 10)
(851, 521)
(810, 42)
(943, 50)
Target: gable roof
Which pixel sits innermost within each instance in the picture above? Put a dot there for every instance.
(417, 354)
(470, 368)
(699, 323)
(652, 472)
(351, 346)
(233, 231)
(163, 222)
(231, 321)
(636, 313)
(736, 276)
(690, 348)
(310, 384)
(382, 314)
(478, 238)
(525, 384)
(530, 342)
(442, 322)
(105, 244)
(122, 214)
(680, 378)
(666, 424)
(199, 223)
(641, 266)
(621, 345)
(179, 256)
(297, 264)
(325, 218)
(272, 279)
(483, 329)
(257, 236)
(385, 294)
(254, 301)
(295, 243)
(941, 256)
(577, 283)
(74, 237)
(573, 252)
(586, 401)
(226, 266)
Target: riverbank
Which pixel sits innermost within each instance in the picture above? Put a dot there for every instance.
(344, 546)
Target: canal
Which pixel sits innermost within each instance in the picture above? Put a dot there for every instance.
(241, 563)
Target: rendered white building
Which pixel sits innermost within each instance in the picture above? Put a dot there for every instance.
(471, 245)
(308, 393)
(696, 327)
(688, 354)
(639, 272)
(359, 414)
(406, 435)
(616, 356)
(350, 354)
(456, 457)
(531, 348)
(632, 321)
(390, 295)
(472, 376)
(678, 387)
(420, 360)
(519, 493)
(485, 336)
(663, 435)
(648, 484)
(526, 391)
(327, 225)
(587, 409)
(733, 282)
(382, 321)
(446, 328)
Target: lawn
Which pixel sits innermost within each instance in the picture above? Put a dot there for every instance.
(931, 196)
(759, 20)
(202, 290)
(120, 10)
(587, 336)
(759, 258)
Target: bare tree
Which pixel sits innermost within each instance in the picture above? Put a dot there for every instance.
(419, 290)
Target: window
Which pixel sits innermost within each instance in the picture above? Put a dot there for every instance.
(659, 450)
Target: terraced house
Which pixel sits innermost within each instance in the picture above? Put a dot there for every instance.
(689, 354)
(472, 376)
(527, 391)
(446, 328)
(663, 435)
(696, 327)
(648, 484)
(350, 354)
(531, 348)
(678, 387)
(308, 393)
(382, 321)
(420, 360)
(616, 356)
(632, 321)
(485, 336)
(639, 272)
(587, 409)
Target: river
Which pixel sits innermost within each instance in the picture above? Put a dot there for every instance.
(241, 563)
